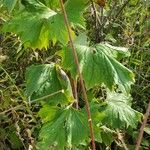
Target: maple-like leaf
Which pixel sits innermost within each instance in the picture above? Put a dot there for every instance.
(99, 65)
(71, 124)
(42, 80)
(37, 23)
(119, 112)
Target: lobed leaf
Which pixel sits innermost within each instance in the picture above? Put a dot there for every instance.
(71, 124)
(99, 66)
(119, 113)
(37, 23)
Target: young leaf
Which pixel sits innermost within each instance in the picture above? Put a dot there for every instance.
(38, 24)
(67, 129)
(119, 113)
(99, 66)
(42, 80)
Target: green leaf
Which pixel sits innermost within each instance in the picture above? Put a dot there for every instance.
(48, 113)
(10, 4)
(37, 24)
(53, 4)
(107, 135)
(147, 129)
(119, 113)
(99, 66)
(67, 129)
(97, 118)
(42, 80)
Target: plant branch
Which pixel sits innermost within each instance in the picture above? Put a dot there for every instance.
(137, 147)
(80, 75)
(117, 15)
(121, 9)
(109, 15)
(75, 93)
(97, 20)
(11, 80)
(120, 137)
(13, 108)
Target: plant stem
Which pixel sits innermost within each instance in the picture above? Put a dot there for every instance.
(97, 20)
(137, 147)
(47, 96)
(120, 137)
(11, 80)
(80, 75)
(121, 9)
(13, 108)
(75, 93)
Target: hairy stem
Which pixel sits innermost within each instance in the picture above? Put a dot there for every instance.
(80, 75)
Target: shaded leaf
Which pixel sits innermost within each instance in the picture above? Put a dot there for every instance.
(48, 113)
(107, 135)
(42, 80)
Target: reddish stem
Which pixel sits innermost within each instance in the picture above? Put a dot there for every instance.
(80, 75)
(137, 147)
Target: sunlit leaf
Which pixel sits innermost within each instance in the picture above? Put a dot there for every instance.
(37, 23)
(99, 66)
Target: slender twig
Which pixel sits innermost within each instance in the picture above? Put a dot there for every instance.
(47, 96)
(121, 9)
(13, 83)
(117, 15)
(137, 147)
(80, 75)
(120, 137)
(109, 15)
(102, 14)
(13, 108)
(93, 9)
(97, 19)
